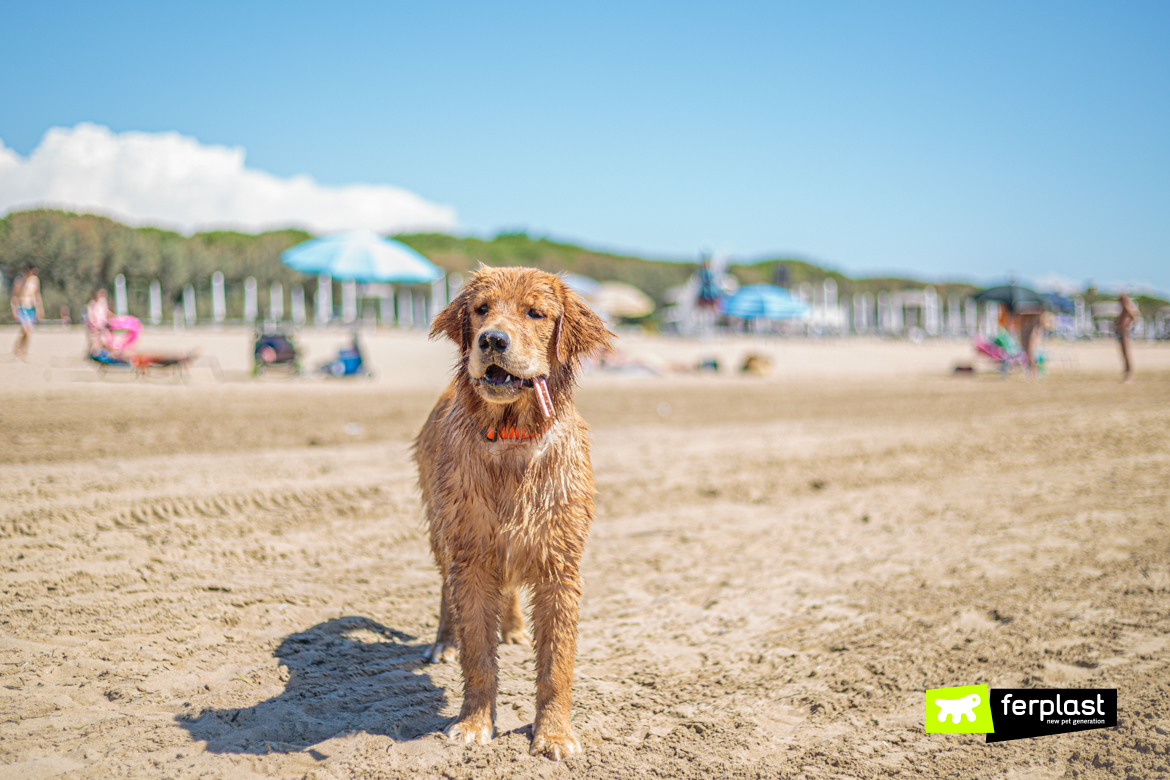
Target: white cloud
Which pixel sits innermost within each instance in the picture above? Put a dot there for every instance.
(171, 180)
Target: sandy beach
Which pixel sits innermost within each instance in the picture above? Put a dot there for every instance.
(227, 577)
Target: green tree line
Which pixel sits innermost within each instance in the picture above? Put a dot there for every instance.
(76, 254)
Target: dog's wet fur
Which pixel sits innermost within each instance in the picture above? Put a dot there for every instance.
(511, 512)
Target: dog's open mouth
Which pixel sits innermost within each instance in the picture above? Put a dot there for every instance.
(497, 376)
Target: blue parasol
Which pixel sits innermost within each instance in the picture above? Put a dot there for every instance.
(361, 256)
(762, 301)
(1058, 303)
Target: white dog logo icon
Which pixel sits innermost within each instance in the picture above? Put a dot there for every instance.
(957, 708)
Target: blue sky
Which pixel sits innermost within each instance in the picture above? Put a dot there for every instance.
(947, 140)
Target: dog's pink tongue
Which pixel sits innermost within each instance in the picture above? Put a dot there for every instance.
(542, 397)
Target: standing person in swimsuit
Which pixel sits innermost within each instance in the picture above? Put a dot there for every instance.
(706, 297)
(707, 294)
(29, 310)
(1122, 325)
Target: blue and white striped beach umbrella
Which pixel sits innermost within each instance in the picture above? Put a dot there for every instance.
(361, 256)
(762, 301)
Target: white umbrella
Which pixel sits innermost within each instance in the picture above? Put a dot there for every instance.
(618, 299)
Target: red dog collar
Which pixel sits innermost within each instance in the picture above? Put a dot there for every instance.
(492, 434)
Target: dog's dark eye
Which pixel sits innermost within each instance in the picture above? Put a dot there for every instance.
(482, 309)
(534, 314)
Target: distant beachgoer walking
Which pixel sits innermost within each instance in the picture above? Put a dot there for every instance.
(706, 297)
(1122, 325)
(705, 313)
(29, 308)
(708, 293)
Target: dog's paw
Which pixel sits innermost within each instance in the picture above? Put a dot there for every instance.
(555, 746)
(441, 653)
(470, 731)
(515, 636)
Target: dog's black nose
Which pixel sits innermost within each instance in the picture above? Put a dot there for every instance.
(493, 341)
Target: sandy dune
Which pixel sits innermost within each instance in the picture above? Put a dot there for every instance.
(228, 578)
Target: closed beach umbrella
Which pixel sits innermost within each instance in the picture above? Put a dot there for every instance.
(618, 299)
(361, 256)
(762, 301)
(582, 285)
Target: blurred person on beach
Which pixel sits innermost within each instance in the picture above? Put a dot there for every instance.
(708, 293)
(97, 321)
(66, 316)
(706, 298)
(1122, 325)
(1029, 336)
(1005, 338)
(28, 309)
(1028, 327)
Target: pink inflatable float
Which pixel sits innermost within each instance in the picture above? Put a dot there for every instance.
(124, 331)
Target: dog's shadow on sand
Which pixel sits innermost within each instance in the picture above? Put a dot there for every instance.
(346, 676)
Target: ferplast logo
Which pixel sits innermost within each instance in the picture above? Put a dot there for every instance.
(1019, 713)
(962, 710)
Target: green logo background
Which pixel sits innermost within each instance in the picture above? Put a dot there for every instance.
(983, 723)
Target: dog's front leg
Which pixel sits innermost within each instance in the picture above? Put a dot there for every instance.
(554, 615)
(476, 593)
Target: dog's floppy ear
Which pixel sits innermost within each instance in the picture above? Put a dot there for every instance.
(453, 321)
(579, 332)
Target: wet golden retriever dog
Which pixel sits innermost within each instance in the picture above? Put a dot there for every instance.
(507, 486)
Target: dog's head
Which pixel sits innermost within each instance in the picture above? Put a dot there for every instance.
(516, 324)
